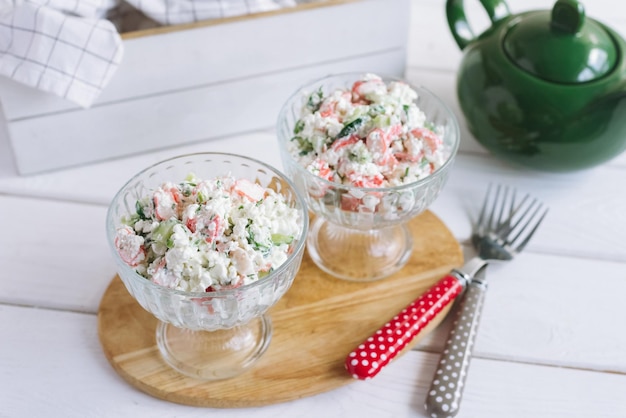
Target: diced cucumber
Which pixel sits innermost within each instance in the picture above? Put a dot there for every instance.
(162, 233)
(262, 274)
(382, 121)
(279, 239)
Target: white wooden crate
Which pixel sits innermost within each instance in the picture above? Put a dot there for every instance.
(195, 82)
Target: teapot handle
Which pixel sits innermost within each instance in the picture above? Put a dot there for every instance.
(460, 28)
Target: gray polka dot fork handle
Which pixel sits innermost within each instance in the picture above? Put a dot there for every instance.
(446, 391)
(499, 235)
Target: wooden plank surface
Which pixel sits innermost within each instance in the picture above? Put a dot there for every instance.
(44, 241)
(175, 118)
(97, 183)
(563, 293)
(522, 296)
(586, 210)
(40, 376)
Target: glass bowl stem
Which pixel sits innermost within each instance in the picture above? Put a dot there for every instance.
(214, 355)
(358, 255)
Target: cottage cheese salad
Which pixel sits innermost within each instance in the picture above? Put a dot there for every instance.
(206, 235)
(371, 135)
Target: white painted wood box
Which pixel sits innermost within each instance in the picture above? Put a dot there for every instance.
(205, 80)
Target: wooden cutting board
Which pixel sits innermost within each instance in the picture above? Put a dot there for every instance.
(316, 324)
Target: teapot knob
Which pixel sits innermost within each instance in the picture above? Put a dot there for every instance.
(568, 16)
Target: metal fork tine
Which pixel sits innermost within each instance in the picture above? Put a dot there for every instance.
(527, 222)
(522, 220)
(504, 200)
(512, 208)
(490, 224)
(506, 228)
(483, 210)
(521, 246)
(523, 215)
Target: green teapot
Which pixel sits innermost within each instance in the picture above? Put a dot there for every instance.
(544, 89)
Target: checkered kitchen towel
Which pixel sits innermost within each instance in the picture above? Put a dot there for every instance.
(69, 48)
(63, 47)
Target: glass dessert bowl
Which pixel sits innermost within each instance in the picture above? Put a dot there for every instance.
(180, 250)
(368, 153)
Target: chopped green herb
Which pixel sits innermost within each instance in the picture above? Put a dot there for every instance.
(140, 211)
(350, 128)
(252, 240)
(406, 173)
(304, 145)
(315, 100)
(361, 157)
(299, 127)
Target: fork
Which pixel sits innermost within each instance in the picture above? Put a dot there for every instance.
(497, 235)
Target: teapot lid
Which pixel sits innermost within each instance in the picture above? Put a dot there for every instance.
(561, 46)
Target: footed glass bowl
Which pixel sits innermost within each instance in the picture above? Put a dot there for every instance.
(217, 334)
(360, 233)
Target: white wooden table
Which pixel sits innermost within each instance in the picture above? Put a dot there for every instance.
(552, 341)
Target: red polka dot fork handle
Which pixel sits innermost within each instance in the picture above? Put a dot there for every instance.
(365, 361)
